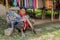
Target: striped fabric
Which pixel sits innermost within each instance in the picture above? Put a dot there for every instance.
(29, 3)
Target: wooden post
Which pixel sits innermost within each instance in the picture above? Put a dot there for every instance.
(3, 2)
(7, 4)
(52, 15)
(43, 15)
(43, 10)
(59, 12)
(59, 15)
(33, 9)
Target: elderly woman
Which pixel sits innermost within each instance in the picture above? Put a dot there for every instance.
(21, 20)
(26, 19)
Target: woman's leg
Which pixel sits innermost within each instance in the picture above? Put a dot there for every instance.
(22, 32)
(31, 26)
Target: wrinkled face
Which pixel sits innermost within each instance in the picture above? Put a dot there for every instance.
(23, 11)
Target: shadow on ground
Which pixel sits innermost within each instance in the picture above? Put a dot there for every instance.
(47, 27)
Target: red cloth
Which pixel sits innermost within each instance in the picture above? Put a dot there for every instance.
(25, 21)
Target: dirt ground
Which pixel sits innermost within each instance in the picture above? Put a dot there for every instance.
(46, 30)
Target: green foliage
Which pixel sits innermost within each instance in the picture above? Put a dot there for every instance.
(48, 12)
(55, 12)
(38, 12)
(29, 10)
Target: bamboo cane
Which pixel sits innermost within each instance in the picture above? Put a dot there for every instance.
(30, 23)
(52, 15)
(7, 4)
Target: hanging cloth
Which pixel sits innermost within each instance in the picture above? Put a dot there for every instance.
(36, 3)
(25, 3)
(30, 3)
(22, 3)
(49, 4)
(18, 3)
(40, 4)
(15, 3)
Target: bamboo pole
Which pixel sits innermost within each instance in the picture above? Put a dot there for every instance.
(52, 14)
(7, 4)
(43, 15)
(59, 15)
(43, 10)
(3, 2)
(59, 12)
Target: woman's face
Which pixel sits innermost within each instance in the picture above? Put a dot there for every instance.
(23, 11)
